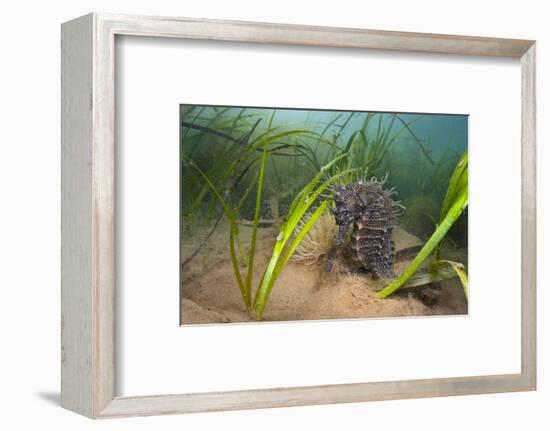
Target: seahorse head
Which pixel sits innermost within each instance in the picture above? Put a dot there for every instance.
(347, 205)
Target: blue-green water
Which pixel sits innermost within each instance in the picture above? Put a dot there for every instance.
(417, 152)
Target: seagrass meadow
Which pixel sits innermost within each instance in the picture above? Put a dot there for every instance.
(295, 214)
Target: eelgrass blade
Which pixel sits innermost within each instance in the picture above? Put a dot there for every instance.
(307, 200)
(428, 277)
(233, 232)
(311, 185)
(256, 142)
(252, 252)
(303, 232)
(456, 200)
(235, 264)
(458, 269)
(417, 139)
(457, 182)
(343, 126)
(246, 194)
(325, 130)
(277, 263)
(453, 214)
(301, 204)
(242, 253)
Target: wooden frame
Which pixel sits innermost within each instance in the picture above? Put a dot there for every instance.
(88, 214)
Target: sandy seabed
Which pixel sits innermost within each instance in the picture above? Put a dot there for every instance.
(303, 292)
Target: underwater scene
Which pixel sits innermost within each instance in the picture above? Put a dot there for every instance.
(293, 214)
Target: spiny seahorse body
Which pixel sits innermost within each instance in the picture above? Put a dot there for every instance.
(372, 243)
(371, 213)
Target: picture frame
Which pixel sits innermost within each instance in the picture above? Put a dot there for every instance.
(88, 372)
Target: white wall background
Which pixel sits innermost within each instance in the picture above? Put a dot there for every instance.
(29, 214)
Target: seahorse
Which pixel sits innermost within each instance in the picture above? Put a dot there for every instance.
(367, 208)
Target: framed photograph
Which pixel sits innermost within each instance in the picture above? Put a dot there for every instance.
(326, 195)
(265, 215)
